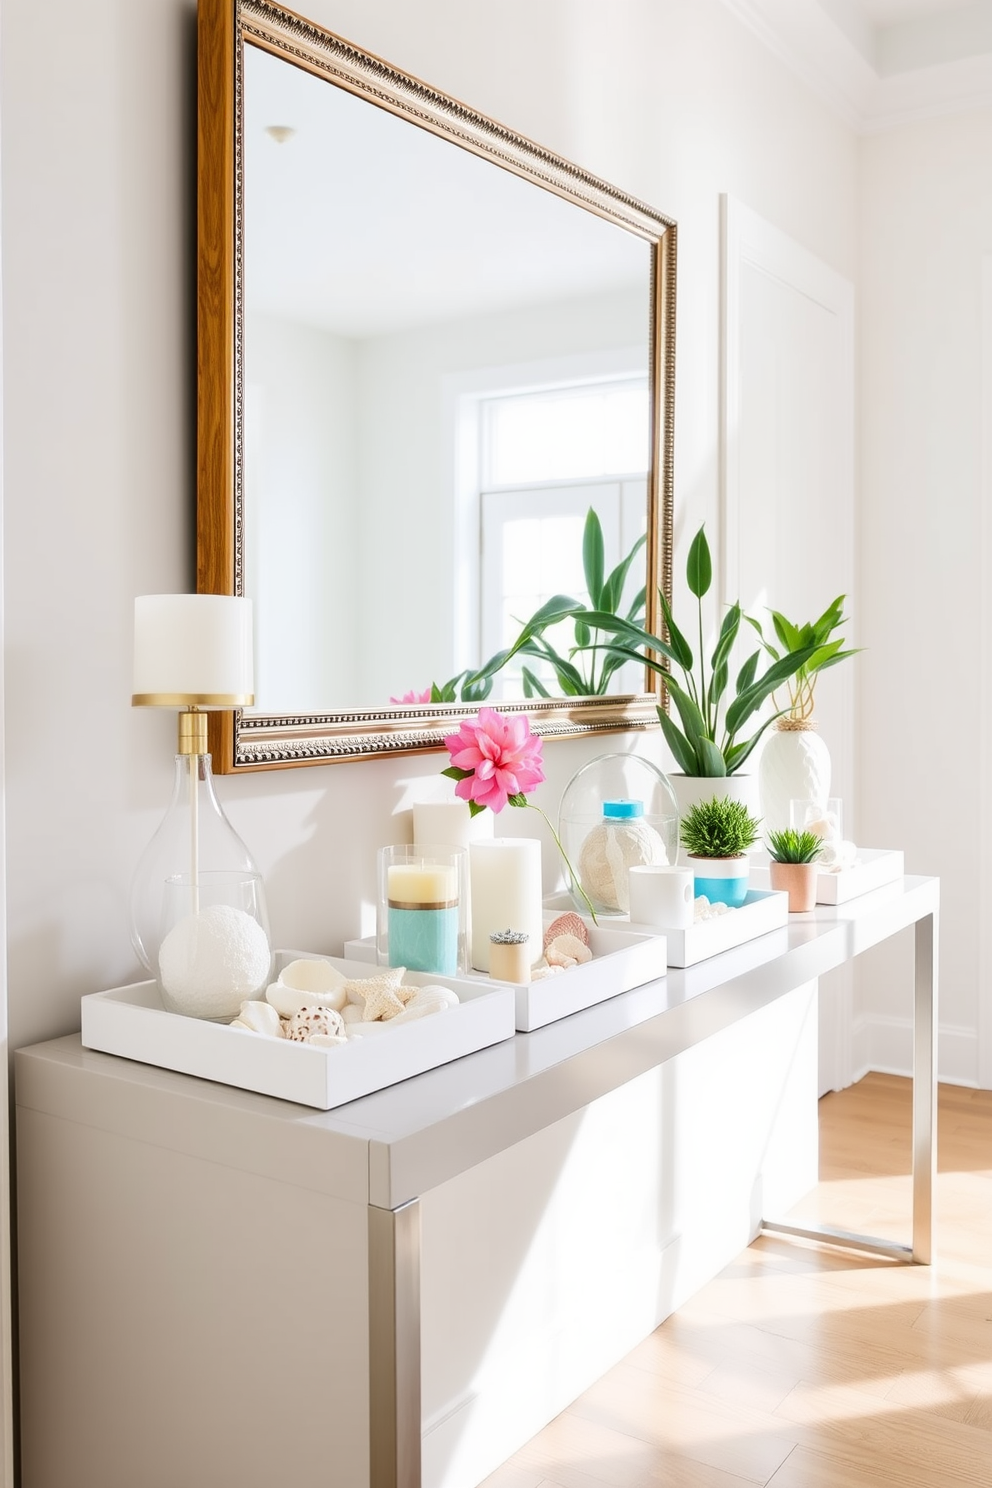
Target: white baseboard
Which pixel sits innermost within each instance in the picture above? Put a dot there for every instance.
(885, 1044)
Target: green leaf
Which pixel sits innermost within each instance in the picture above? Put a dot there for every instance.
(570, 679)
(475, 809)
(519, 799)
(787, 633)
(683, 751)
(454, 773)
(727, 637)
(711, 758)
(636, 611)
(699, 566)
(583, 635)
(614, 586)
(746, 674)
(751, 699)
(601, 620)
(593, 559)
(680, 646)
(477, 689)
(692, 720)
(718, 686)
(533, 686)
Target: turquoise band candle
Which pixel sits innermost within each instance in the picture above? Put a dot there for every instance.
(422, 915)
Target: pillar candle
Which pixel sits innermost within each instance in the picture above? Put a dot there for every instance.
(505, 875)
(448, 824)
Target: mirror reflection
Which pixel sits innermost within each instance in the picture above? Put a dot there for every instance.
(446, 367)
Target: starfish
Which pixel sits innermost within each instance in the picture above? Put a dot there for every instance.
(381, 995)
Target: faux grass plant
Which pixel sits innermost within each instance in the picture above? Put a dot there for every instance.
(719, 828)
(790, 846)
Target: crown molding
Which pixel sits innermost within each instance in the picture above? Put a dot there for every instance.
(877, 79)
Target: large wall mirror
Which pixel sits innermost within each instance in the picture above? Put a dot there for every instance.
(427, 350)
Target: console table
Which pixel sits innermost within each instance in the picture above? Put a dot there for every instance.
(218, 1288)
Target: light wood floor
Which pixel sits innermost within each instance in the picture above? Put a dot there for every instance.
(804, 1367)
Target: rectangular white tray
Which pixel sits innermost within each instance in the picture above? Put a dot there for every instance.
(132, 1022)
(874, 868)
(624, 957)
(761, 911)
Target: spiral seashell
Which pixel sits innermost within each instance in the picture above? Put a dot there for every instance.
(567, 924)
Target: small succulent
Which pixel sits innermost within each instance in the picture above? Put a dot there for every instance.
(719, 828)
(791, 846)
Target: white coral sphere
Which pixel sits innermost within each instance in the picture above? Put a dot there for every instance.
(213, 961)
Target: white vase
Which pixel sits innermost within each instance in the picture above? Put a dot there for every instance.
(794, 766)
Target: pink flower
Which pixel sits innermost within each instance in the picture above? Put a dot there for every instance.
(413, 697)
(501, 756)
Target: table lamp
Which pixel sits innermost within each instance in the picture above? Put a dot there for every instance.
(198, 918)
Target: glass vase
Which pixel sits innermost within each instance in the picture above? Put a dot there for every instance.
(198, 915)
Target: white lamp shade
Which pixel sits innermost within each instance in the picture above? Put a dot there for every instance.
(193, 650)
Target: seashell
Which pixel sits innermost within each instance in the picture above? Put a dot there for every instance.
(358, 1029)
(351, 1013)
(567, 950)
(259, 1017)
(326, 1040)
(310, 1020)
(386, 980)
(427, 1000)
(539, 973)
(566, 924)
(446, 995)
(306, 984)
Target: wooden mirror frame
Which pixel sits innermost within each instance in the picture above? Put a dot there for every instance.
(258, 741)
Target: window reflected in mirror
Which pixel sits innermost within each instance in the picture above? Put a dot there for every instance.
(445, 367)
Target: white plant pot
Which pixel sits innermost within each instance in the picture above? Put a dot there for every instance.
(794, 766)
(691, 789)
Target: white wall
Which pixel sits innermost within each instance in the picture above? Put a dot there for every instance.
(301, 517)
(409, 477)
(926, 221)
(673, 101)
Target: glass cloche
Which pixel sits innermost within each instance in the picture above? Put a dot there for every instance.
(616, 811)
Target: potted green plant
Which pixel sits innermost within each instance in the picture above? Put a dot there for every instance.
(708, 736)
(716, 834)
(794, 866)
(795, 762)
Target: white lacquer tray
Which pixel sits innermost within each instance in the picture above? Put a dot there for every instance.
(132, 1022)
(624, 957)
(761, 911)
(874, 868)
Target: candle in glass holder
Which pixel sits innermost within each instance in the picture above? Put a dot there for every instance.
(505, 876)
(420, 897)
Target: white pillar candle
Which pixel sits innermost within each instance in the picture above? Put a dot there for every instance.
(505, 876)
(449, 824)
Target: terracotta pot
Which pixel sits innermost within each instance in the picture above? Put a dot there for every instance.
(798, 880)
